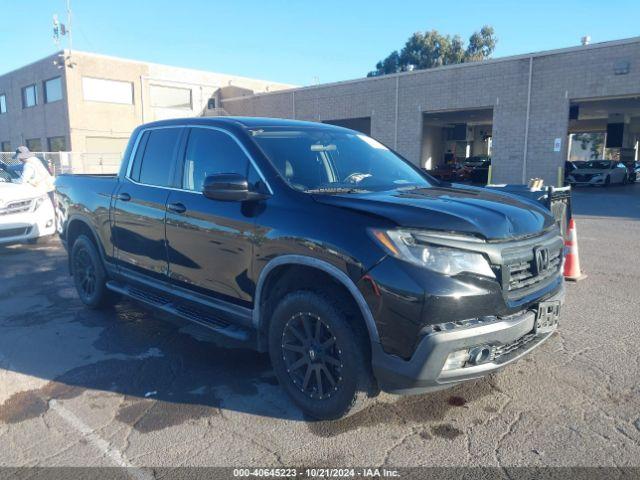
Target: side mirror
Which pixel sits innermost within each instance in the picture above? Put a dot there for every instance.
(229, 187)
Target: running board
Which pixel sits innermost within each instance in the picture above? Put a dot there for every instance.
(165, 304)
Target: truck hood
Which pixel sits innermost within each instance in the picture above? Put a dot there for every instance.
(466, 210)
(16, 191)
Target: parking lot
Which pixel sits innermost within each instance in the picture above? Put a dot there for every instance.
(127, 388)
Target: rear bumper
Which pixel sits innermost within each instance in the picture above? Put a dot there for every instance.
(423, 372)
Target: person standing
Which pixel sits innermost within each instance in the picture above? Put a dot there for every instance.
(34, 173)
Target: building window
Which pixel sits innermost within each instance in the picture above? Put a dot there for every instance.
(29, 96)
(34, 144)
(211, 104)
(3, 103)
(109, 91)
(57, 144)
(6, 146)
(170, 97)
(53, 90)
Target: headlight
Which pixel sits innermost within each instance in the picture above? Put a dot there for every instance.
(448, 261)
(39, 201)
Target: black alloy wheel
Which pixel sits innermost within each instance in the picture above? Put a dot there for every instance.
(85, 273)
(311, 356)
(89, 274)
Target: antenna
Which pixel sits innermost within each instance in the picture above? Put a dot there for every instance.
(63, 30)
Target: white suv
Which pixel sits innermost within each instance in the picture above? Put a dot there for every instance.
(26, 214)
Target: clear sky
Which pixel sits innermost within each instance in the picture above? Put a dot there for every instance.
(298, 41)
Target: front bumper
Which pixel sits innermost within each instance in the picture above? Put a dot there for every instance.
(423, 372)
(583, 183)
(22, 227)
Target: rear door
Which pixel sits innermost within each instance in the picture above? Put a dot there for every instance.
(140, 204)
(210, 241)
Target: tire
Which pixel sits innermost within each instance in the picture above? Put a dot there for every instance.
(607, 181)
(311, 342)
(89, 275)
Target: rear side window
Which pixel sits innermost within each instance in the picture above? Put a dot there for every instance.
(210, 152)
(157, 160)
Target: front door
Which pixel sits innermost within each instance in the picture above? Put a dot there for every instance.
(140, 204)
(209, 241)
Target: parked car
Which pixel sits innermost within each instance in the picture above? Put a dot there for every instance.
(26, 214)
(599, 172)
(634, 171)
(480, 174)
(447, 172)
(471, 164)
(351, 267)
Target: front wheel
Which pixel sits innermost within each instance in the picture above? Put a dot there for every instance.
(89, 275)
(319, 357)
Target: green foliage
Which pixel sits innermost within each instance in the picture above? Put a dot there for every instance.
(431, 49)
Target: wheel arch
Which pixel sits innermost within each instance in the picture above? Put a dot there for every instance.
(79, 225)
(276, 264)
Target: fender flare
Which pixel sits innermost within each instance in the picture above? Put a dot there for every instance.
(87, 222)
(326, 267)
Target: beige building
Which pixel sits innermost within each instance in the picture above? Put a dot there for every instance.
(89, 103)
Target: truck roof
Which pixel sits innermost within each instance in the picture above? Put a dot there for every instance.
(247, 122)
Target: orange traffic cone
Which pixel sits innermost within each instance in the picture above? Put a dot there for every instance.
(572, 270)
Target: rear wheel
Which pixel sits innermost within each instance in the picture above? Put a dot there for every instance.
(319, 357)
(89, 275)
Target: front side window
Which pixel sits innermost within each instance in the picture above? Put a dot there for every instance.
(170, 97)
(34, 144)
(3, 103)
(327, 160)
(29, 96)
(157, 160)
(210, 152)
(57, 144)
(53, 90)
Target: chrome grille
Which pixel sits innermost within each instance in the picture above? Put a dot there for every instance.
(12, 208)
(520, 274)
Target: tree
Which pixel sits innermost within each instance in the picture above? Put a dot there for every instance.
(431, 49)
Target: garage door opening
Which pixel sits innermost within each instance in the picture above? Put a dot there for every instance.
(362, 124)
(604, 129)
(456, 137)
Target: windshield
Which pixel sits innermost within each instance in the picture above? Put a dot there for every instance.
(600, 165)
(325, 160)
(8, 173)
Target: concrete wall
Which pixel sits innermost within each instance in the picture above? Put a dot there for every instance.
(42, 121)
(396, 103)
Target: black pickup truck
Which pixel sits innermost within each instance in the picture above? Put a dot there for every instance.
(354, 269)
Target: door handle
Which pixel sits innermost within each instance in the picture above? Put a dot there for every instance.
(124, 197)
(177, 207)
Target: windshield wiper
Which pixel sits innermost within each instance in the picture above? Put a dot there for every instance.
(335, 190)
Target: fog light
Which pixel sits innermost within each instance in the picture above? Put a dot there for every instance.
(456, 360)
(480, 354)
(49, 223)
